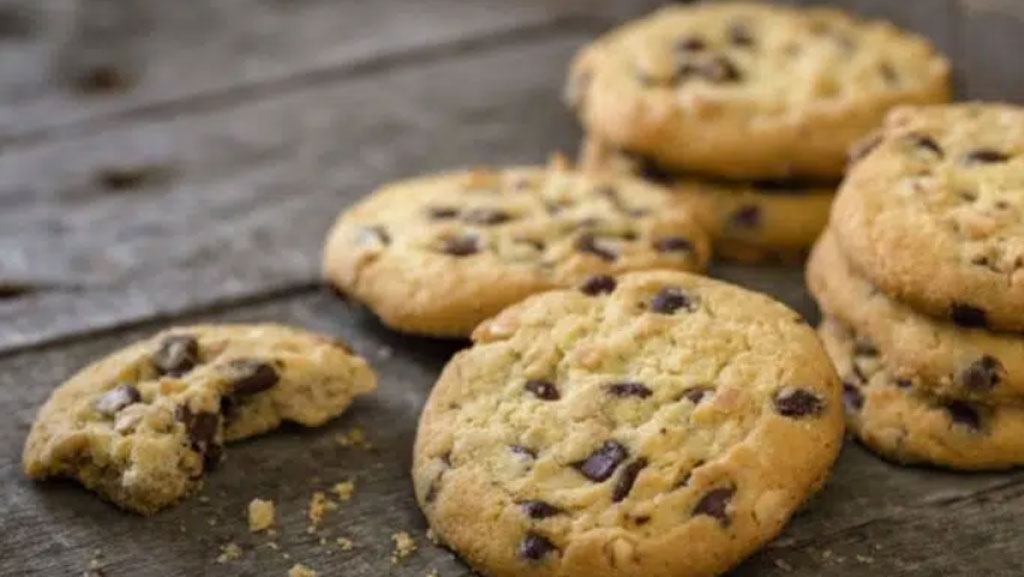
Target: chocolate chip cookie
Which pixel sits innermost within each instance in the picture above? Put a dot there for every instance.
(658, 424)
(774, 221)
(142, 425)
(953, 361)
(933, 212)
(438, 254)
(899, 419)
(750, 90)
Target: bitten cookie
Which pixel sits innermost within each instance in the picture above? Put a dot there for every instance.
(142, 425)
(750, 90)
(436, 255)
(952, 361)
(660, 424)
(749, 222)
(898, 419)
(933, 212)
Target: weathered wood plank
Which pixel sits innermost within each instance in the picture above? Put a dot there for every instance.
(990, 44)
(69, 61)
(230, 202)
(902, 521)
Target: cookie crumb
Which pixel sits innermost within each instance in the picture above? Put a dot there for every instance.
(783, 565)
(432, 537)
(344, 490)
(433, 573)
(300, 570)
(345, 544)
(404, 546)
(261, 514)
(318, 505)
(354, 437)
(867, 560)
(229, 552)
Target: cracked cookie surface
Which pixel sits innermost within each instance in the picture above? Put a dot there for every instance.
(142, 425)
(438, 254)
(933, 212)
(767, 91)
(766, 221)
(900, 420)
(957, 362)
(658, 424)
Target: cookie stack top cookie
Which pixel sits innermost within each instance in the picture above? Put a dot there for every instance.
(746, 90)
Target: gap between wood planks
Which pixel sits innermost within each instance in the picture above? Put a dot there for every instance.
(223, 97)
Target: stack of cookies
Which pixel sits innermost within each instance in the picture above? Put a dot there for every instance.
(747, 110)
(921, 281)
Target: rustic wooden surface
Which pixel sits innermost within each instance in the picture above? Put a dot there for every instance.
(172, 162)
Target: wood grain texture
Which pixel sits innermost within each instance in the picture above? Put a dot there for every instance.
(900, 521)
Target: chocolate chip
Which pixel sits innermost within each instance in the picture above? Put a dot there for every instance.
(852, 396)
(629, 389)
(964, 414)
(487, 216)
(228, 408)
(720, 70)
(796, 403)
(442, 212)
(461, 245)
(864, 348)
(524, 451)
(534, 546)
(985, 156)
(862, 148)
(925, 142)
(642, 519)
(673, 244)
(252, 376)
(715, 504)
(116, 399)
(375, 234)
(202, 430)
(626, 479)
(670, 299)
(651, 171)
(598, 284)
(748, 216)
(739, 35)
(542, 389)
(966, 315)
(903, 383)
(539, 509)
(691, 44)
(177, 355)
(697, 394)
(983, 374)
(602, 463)
(588, 243)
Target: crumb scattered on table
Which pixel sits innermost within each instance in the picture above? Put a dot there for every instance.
(300, 570)
(404, 546)
(261, 514)
(345, 544)
(344, 490)
(318, 505)
(354, 437)
(229, 552)
(433, 573)
(783, 565)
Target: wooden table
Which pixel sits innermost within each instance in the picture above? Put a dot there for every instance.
(172, 162)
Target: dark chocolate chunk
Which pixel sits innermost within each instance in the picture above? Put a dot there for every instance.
(539, 509)
(542, 389)
(627, 477)
(588, 243)
(862, 347)
(461, 245)
(852, 396)
(535, 547)
(202, 431)
(252, 376)
(670, 299)
(983, 374)
(796, 403)
(964, 414)
(985, 156)
(716, 504)
(598, 284)
(442, 212)
(673, 244)
(116, 399)
(966, 315)
(691, 44)
(487, 216)
(177, 355)
(698, 394)
(925, 142)
(903, 383)
(602, 463)
(629, 389)
(747, 216)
